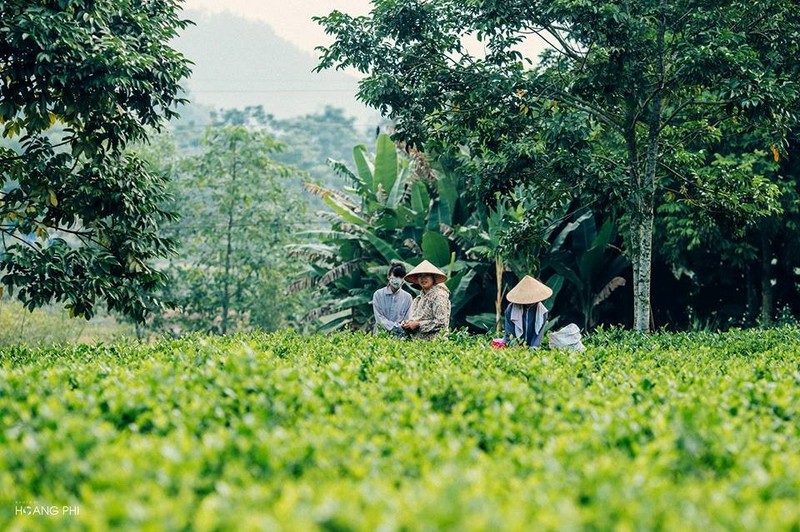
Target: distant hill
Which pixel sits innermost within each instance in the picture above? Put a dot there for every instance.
(238, 62)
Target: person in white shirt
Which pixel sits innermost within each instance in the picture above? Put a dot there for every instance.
(390, 304)
(526, 315)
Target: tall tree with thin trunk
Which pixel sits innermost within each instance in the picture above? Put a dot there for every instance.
(239, 209)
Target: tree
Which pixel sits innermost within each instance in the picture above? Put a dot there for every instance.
(313, 139)
(619, 102)
(758, 257)
(237, 212)
(79, 218)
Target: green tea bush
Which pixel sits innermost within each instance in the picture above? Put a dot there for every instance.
(354, 432)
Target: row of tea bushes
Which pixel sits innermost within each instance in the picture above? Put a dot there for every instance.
(354, 432)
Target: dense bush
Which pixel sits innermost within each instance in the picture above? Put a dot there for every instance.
(349, 431)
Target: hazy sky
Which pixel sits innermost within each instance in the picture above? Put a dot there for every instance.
(291, 19)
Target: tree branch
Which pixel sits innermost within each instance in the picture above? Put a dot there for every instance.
(17, 237)
(687, 103)
(87, 234)
(568, 50)
(565, 49)
(578, 103)
(680, 177)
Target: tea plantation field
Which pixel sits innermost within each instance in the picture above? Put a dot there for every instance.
(352, 432)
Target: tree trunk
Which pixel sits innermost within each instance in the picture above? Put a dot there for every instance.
(753, 304)
(643, 215)
(641, 227)
(767, 290)
(498, 304)
(226, 296)
(642, 240)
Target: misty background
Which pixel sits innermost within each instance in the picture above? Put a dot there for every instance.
(240, 62)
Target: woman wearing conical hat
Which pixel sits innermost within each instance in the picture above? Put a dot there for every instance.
(430, 311)
(526, 315)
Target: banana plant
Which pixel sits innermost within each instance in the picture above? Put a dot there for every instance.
(391, 212)
(483, 235)
(592, 266)
(381, 218)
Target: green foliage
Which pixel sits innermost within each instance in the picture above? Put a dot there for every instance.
(399, 208)
(78, 217)
(309, 141)
(593, 266)
(758, 256)
(484, 250)
(582, 263)
(237, 212)
(352, 258)
(626, 99)
(353, 432)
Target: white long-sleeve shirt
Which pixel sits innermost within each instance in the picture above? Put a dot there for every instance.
(390, 308)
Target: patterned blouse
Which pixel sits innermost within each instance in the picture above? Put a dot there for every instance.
(432, 311)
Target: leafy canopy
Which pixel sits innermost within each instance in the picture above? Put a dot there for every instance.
(239, 207)
(79, 81)
(625, 101)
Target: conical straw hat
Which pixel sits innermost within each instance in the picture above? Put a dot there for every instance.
(529, 291)
(426, 267)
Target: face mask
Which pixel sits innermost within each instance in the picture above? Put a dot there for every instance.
(395, 282)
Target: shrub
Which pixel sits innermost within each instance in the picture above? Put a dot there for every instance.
(351, 431)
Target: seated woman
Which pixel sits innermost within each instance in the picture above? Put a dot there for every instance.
(429, 314)
(526, 315)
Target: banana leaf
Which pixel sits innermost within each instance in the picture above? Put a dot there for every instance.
(385, 163)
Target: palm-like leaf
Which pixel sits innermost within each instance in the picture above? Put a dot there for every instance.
(338, 272)
(341, 198)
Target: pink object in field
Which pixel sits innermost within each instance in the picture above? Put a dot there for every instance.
(498, 343)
